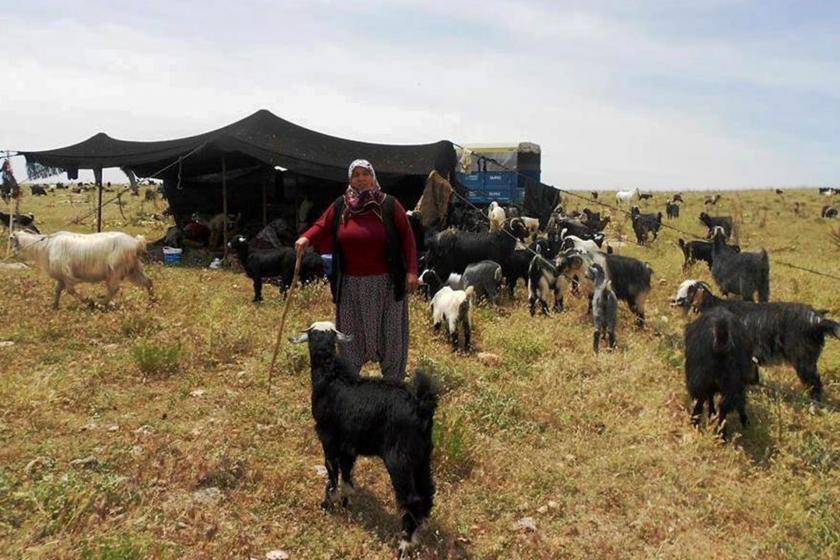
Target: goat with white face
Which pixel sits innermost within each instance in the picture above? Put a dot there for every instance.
(496, 215)
(356, 415)
(453, 306)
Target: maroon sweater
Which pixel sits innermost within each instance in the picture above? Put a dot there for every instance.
(362, 239)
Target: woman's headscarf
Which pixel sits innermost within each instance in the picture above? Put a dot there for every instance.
(356, 202)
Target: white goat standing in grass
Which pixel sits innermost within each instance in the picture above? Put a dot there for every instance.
(74, 258)
(628, 196)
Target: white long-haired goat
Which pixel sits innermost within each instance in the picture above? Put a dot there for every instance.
(627, 196)
(74, 258)
(496, 215)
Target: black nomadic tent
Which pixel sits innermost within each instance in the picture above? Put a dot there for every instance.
(233, 168)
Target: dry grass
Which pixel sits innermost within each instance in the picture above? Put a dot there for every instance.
(184, 455)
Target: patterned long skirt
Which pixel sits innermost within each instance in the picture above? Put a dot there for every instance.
(378, 323)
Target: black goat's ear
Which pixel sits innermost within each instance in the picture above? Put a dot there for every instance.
(341, 337)
(302, 337)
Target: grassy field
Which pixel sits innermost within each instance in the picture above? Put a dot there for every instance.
(146, 431)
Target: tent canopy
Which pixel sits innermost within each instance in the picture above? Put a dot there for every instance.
(261, 137)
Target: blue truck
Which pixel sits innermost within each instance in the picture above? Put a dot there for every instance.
(486, 181)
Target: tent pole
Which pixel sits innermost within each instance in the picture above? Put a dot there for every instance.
(224, 205)
(97, 174)
(264, 210)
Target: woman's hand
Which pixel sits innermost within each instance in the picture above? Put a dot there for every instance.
(411, 282)
(301, 244)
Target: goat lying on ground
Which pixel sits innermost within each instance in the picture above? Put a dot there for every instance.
(453, 306)
(718, 359)
(75, 258)
(792, 333)
(739, 273)
(711, 222)
(356, 415)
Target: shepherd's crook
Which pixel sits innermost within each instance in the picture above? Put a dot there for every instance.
(298, 258)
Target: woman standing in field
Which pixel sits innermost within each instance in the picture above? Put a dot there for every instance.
(374, 265)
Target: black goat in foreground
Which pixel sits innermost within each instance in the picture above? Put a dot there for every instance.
(271, 263)
(356, 415)
(782, 332)
(19, 221)
(718, 360)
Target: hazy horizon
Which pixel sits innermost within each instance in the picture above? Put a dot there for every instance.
(711, 95)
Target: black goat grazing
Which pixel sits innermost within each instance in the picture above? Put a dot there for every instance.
(672, 210)
(643, 224)
(677, 198)
(594, 195)
(718, 360)
(356, 415)
(782, 332)
(451, 251)
(711, 222)
(629, 277)
(694, 251)
(780, 191)
(271, 263)
(645, 196)
(828, 212)
(739, 273)
(38, 190)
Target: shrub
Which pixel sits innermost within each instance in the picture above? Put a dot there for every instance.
(157, 359)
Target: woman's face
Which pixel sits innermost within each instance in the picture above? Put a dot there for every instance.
(361, 179)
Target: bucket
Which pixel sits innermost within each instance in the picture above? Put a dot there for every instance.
(172, 255)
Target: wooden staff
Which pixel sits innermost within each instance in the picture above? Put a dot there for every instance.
(291, 291)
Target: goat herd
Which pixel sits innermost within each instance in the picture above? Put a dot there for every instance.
(356, 415)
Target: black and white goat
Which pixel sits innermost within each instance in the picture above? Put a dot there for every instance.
(782, 332)
(544, 277)
(279, 263)
(630, 277)
(828, 212)
(739, 273)
(718, 360)
(452, 251)
(711, 222)
(604, 307)
(356, 415)
(453, 306)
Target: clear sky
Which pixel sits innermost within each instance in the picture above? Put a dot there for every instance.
(656, 94)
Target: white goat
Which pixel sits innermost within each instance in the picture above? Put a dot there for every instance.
(628, 196)
(453, 306)
(74, 258)
(496, 215)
